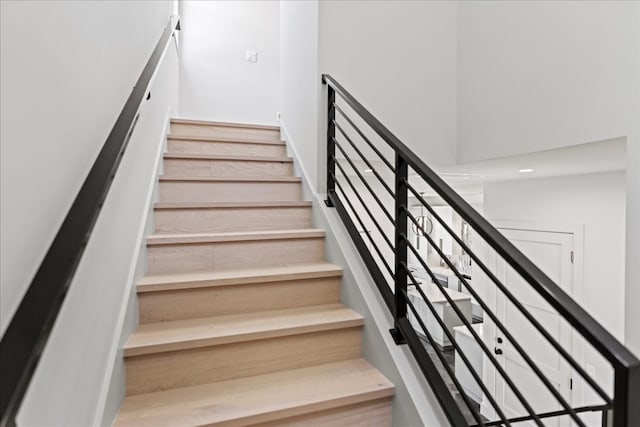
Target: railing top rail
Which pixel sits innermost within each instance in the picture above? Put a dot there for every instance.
(25, 338)
(614, 351)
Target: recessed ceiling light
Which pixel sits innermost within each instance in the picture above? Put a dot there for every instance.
(368, 171)
(526, 170)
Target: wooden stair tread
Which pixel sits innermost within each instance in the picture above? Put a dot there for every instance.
(197, 156)
(186, 178)
(192, 333)
(260, 398)
(224, 124)
(233, 277)
(236, 236)
(230, 140)
(231, 205)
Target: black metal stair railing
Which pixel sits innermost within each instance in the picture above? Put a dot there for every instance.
(381, 199)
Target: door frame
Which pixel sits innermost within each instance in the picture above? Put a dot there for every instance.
(577, 349)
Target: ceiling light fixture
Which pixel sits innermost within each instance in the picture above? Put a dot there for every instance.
(368, 171)
(526, 170)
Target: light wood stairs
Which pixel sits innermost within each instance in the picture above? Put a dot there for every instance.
(240, 316)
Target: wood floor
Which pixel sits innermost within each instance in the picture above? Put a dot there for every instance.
(240, 316)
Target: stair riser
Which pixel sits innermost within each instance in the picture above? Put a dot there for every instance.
(179, 191)
(184, 258)
(224, 132)
(225, 148)
(183, 368)
(228, 168)
(231, 219)
(237, 299)
(369, 414)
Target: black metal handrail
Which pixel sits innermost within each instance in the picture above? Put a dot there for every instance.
(625, 365)
(26, 336)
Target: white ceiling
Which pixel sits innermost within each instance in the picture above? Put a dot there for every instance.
(468, 178)
(599, 156)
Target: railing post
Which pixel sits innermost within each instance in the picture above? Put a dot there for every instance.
(331, 146)
(626, 411)
(400, 301)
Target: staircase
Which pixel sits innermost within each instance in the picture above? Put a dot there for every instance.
(240, 319)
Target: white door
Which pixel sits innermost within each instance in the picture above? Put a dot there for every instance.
(552, 253)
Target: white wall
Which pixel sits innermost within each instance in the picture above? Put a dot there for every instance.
(597, 202)
(398, 58)
(632, 314)
(632, 296)
(216, 82)
(541, 75)
(64, 81)
(300, 80)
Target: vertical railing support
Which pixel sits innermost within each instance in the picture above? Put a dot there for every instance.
(331, 146)
(626, 411)
(400, 301)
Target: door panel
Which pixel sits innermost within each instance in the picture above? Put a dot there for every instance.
(551, 252)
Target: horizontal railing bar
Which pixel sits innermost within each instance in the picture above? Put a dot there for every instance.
(475, 335)
(581, 409)
(571, 311)
(382, 258)
(508, 335)
(443, 360)
(363, 157)
(451, 338)
(373, 147)
(364, 205)
(512, 298)
(370, 262)
(364, 181)
(432, 374)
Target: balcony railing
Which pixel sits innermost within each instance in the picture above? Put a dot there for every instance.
(371, 178)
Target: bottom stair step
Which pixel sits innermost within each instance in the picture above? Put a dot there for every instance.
(345, 393)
